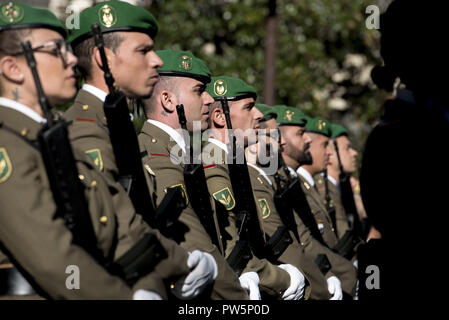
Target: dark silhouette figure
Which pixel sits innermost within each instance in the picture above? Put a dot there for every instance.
(405, 168)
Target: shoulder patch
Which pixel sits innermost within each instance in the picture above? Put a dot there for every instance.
(95, 155)
(181, 187)
(5, 165)
(224, 196)
(263, 203)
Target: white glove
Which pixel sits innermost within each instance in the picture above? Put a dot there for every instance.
(297, 283)
(250, 282)
(334, 288)
(204, 270)
(146, 295)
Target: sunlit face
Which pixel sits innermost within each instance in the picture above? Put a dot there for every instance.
(134, 65)
(347, 154)
(245, 117)
(192, 94)
(320, 151)
(295, 143)
(57, 77)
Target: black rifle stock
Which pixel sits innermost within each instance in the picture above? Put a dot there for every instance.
(286, 201)
(124, 141)
(196, 185)
(347, 244)
(68, 192)
(247, 214)
(330, 209)
(298, 201)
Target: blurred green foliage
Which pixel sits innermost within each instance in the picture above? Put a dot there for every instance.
(314, 40)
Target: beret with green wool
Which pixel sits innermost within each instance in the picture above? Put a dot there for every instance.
(290, 116)
(338, 131)
(16, 15)
(224, 87)
(114, 16)
(319, 125)
(267, 111)
(183, 64)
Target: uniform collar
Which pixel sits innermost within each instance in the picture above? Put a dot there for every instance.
(100, 94)
(306, 175)
(292, 172)
(174, 134)
(8, 103)
(261, 172)
(219, 144)
(331, 179)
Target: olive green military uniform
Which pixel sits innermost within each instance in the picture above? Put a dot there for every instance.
(273, 280)
(320, 213)
(341, 221)
(41, 244)
(294, 254)
(87, 114)
(340, 267)
(89, 133)
(156, 146)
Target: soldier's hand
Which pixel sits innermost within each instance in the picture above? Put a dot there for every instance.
(297, 283)
(146, 295)
(334, 288)
(250, 282)
(203, 270)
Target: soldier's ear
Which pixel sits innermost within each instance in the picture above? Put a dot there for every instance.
(168, 101)
(218, 118)
(11, 69)
(96, 58)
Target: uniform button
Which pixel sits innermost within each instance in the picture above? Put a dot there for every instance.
(93, 184)
(85, 107)
(333, 229)
(302, 243)
(81, 177)
(103, 219)
(154, 140)
(24, 132)
(172, 285)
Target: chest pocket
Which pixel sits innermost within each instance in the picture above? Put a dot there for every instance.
(100, 204)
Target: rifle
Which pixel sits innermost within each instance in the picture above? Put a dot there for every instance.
(346, 245)
(68, 192)
(196, 185)
(247, 216)
(330, 209)
(286, 200)
(295, 197)
(127, 153)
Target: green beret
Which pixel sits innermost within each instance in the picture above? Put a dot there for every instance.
(267, 111)
(114, 16)
(290, 116)
(183, 64)
(231, 89)
(319, 125)
(338, 131)
(17, 15)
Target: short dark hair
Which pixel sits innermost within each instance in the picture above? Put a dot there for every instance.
(10, 42)
(84, 50)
